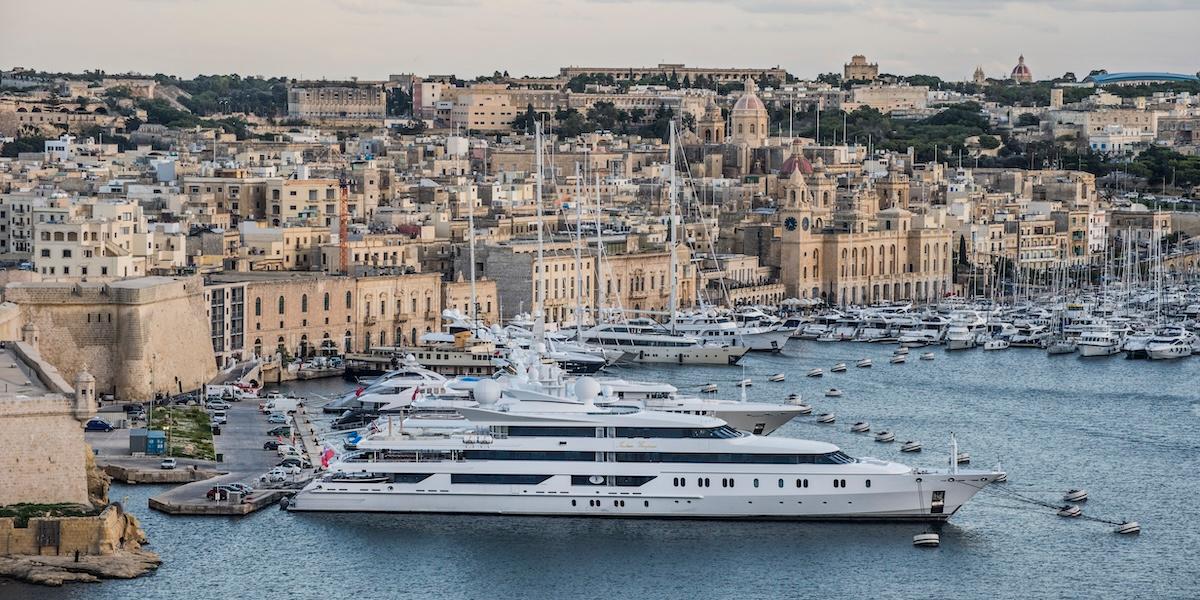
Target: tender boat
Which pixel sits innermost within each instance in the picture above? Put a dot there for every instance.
(833, 393)
(815, 373)
(885, 437)
(899, 359)
(745, 383)
(1075, 496)
(826, 418)
(709, 388)
(777, 377)
(793, 398)
(995, 345)
(1070, 511)
(926, 540)
(804, 409)
(910, 446)
(927, 356)
(860, 427)
(963, 458)
(838, 368)
(863, 363)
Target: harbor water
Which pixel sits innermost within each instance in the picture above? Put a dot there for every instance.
(1124, 430)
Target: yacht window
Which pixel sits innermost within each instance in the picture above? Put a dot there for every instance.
(525, 431)
(756, 482)
(868, 483)
(830, 458)
(722, 432)
(780, 483)
(527, 455)
(498, 479)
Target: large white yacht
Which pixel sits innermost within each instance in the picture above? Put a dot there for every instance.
(644, 340)
(1099, 343)
(1170, 343)
(721, 329)
(579, 459)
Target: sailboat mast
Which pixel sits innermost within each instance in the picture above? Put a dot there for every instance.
(539, 307)
(471, 238)
(673, 299)
(578, 255)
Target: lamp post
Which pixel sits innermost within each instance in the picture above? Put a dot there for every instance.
(167, 428)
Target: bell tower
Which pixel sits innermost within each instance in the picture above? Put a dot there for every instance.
(711, 125)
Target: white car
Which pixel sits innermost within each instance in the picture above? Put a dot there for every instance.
(286, 470)
(287, 450)
(168, 463)
(218, 405)
(219, 417)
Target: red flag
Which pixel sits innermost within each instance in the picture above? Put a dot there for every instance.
(358, 392)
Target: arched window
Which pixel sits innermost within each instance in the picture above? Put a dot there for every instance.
(349, 300)
(346, 341)
(304, 303)
(326, 300)
(258, 307)
(258, 346)
(281, 305)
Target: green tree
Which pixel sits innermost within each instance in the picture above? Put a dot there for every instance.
(989, 142)
(526, 120)
(32, 143)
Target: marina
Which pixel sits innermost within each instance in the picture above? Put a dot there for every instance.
(1053, 429)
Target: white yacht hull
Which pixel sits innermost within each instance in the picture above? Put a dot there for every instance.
(769, 341)
(1168, 352)
(690, 355)
(1089, 350)
(756, 422)
(906, 497)
(957, 344)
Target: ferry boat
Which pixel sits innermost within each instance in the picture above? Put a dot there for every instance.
(563, 458)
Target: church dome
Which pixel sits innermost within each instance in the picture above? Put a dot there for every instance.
(1021, 72)
(795, 162)
(749, 100)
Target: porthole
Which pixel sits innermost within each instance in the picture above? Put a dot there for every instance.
(756, 482)
(868, 483)
(780, 483)
(572, 503)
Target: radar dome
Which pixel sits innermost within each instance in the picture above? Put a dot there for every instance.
(487, 392)
(586, 389)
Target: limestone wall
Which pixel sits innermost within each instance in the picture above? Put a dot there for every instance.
(102, 535)
(136, 336)
(41, 452)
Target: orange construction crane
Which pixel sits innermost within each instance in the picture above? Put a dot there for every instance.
(344, 224)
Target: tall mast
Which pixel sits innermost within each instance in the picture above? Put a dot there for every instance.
(578, 255)
(539, 306)
(673, 298)
(471, 237)
(599, 252)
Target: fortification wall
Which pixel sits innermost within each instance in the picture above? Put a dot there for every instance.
(42, 452)
(103, 535)
(136, 336)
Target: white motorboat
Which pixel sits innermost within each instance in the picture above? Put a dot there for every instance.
(995, 345)
(709, 388)
(644, 340)
(1061, 346)
(794, 398)
(833, 393)
(826, 418)
(747, 382)
(838, 368)
(815, 373)
(863, 363)
(927, 356)
(860, 427)
(804, 409)
(1170, 343)
(1075, 496)
(885, 437)
(927, 540)
(1099, 343)
(910, 446)
(541, 458)
(776, 378)
(899, 359)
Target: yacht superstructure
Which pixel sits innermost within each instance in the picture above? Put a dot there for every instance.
(580, 459)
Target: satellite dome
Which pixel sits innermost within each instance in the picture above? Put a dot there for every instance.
(586, 389)
(487, 392)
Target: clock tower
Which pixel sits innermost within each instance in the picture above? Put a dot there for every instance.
(798, 252)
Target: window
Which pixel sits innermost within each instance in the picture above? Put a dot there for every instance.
(830, 458)
(498, 479)
(326, 300)
(349, 300)
(281, 305)
(304, 303)
(551, 431)
(756, 482)
(258, 307)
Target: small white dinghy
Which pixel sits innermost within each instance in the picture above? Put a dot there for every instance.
(833, 393)
(745, 382)
(910, 446)
(927, 356)
(815, 373)
(899, 359)
(794, 398)
(1128, 528)
(926, 540)
(777, 377)
(838, 368)
(885, 437)
(963, 458)
(709, 388)
(863, 363)
(1075, 495)
(803, 409)
(1070, 511)
(860, 427)
(900, 351)
(996, 345)
(826, 418)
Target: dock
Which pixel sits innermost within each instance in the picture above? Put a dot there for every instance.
(244, 506)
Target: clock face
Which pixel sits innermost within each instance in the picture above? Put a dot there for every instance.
(790, 223)
(804, 224)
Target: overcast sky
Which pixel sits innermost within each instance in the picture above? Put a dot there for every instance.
(372, 38)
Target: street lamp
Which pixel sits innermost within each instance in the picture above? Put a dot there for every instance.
(167, 428)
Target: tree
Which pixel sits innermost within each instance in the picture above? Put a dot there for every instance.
(1028, 120)
(962, 250)
(989, 142)
(33, 143)
(526, 120)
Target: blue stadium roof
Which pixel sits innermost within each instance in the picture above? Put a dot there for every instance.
(1135, 77)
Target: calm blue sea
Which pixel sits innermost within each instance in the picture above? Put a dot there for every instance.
(1124, 430)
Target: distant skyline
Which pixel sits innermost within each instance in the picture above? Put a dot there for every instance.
(371, 39)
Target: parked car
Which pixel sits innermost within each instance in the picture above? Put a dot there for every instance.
(241, 487)
(287, 450)
(218, 405)
(287, 470)
(167, 463)
(220, 491)
(285, 431)
(132, 407)
(219, 418)
(295, 461)
(277, 418)
(98, 424)
(270, 445)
